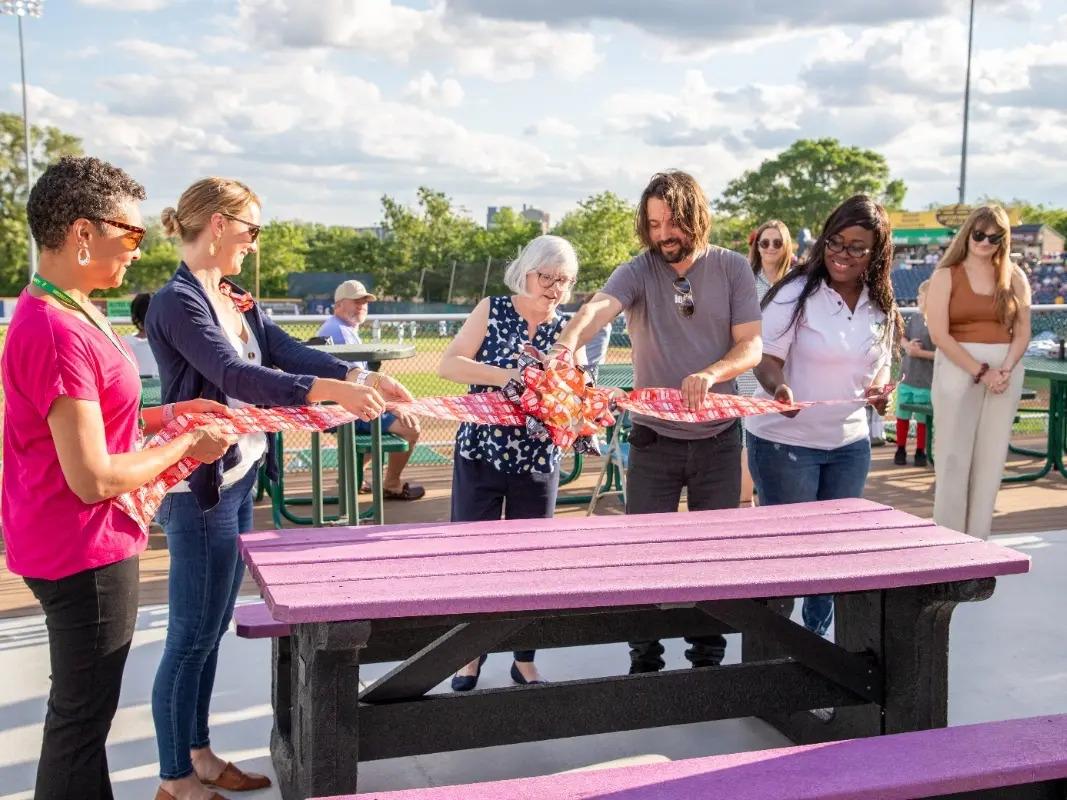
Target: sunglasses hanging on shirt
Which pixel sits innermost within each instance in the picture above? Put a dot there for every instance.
(683, 297)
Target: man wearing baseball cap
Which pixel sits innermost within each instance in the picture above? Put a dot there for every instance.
(350, 302)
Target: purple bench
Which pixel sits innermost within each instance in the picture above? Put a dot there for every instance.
(445, 593)
(973, 761)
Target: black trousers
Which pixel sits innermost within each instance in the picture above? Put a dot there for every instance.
(481, 493)
(90, 618)
(710, 472)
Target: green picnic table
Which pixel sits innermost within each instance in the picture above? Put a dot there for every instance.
(373, 353)
(1055, 372)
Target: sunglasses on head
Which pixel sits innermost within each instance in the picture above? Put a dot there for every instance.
(133, 236)
(683, 297)
(981, 236)
(253, 229)
(767, 244)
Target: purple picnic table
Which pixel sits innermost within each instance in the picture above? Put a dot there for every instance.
(449, 592)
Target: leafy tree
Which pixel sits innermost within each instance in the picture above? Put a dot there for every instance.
(47, 145)
(803, 184)
(602, 232)
(336, 248)
(283, 250)
(731, 233)
(421, 244)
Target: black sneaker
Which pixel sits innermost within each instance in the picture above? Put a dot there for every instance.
(920, 458)
(900, 458)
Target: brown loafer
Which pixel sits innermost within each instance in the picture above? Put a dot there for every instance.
(162, 794)
(235, 780)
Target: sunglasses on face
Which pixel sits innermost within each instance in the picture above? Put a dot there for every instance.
(547, 281)
(130, 240)
(767, 244)
(253, 229)
(981, 236)
(683, 297)
(837, 245)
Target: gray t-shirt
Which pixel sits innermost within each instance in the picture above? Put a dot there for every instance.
(917, 372)
(667, 346)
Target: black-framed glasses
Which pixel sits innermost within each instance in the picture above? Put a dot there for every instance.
(981, 236)
(683, 296)
(548, 281)
(837, 245)
(253, 229)
(767, 244)
(132, 238)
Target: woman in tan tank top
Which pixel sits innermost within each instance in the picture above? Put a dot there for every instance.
(978, 313)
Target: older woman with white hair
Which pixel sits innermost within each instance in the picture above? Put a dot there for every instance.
(500, 469)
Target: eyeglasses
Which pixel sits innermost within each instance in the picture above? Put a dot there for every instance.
(683, 297)
(767, 244)
(132, 239)
(837, 245)
(253, 229)
(981, 236)
(548, 281)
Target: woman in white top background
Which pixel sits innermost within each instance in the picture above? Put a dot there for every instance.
(771, 257)
(827, 335)
(138, 341)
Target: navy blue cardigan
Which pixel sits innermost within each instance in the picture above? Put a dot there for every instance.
(197, 360)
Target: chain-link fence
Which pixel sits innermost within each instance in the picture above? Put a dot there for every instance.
(431, 334)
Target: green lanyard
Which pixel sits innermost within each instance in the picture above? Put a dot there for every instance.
(69, 302)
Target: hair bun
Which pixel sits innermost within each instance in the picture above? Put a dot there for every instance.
(168, 217)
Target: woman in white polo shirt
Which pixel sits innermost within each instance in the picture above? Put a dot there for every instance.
(827, 335)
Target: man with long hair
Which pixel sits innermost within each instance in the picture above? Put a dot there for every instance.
(694, 322)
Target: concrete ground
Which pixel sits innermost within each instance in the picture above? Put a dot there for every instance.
(1008, 659)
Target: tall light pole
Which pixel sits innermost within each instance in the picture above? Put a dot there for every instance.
(20, 9)
(966, 107)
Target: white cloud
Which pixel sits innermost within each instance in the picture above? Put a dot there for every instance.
(151, 51)
(427, 90)
(552, 127)
(127, 5)
(498, 50)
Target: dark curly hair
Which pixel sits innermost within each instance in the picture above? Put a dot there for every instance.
(76, 187)
(858, 210)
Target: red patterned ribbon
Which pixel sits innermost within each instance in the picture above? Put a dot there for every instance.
(141, 504)
(551, 397)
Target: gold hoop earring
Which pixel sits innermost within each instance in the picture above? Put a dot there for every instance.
(83, 255)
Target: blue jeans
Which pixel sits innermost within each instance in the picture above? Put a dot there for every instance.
(205, 576)
(786, 473)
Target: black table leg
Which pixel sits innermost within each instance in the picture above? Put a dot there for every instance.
(315, 743)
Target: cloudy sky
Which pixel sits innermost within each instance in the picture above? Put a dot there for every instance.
(324, 105)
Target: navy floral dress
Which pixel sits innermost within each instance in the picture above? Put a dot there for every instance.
(509, 449)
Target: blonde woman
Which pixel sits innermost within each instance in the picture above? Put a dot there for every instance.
(211, 340)
(978, 312)
(771, 257)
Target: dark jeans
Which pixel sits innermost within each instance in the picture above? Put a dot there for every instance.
(90, 618)
(205, 576)
(785, 473)
(710, 472)
(481, 493)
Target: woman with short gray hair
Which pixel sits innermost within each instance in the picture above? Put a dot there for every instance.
(501, 469)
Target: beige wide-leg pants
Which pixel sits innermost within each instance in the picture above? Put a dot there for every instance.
(973, 428)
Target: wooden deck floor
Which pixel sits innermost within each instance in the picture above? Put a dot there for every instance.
(1021, 508)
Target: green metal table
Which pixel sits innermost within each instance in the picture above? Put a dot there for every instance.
(374, 353)
(609, 376)
(1055, 372)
